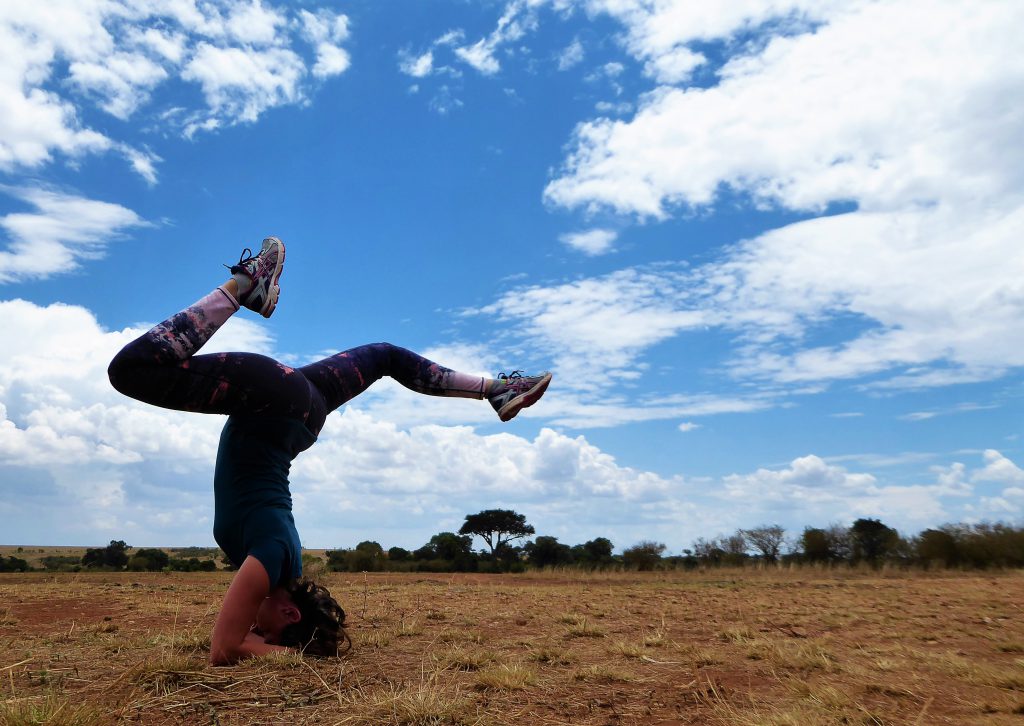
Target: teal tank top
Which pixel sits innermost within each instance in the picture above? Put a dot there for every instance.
(252, 502)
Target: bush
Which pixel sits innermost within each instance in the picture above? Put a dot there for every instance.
(399, 554)
(644, 556)
(62, 563)
(112, 557)
(13, 564)
(148, 560)
(192, 564)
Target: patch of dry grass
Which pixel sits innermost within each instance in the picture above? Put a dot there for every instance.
(760, 648)
(50, 709)
(507, 677)
(458, 657)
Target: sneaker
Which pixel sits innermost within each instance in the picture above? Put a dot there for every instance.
(264, 270)
(516, 391)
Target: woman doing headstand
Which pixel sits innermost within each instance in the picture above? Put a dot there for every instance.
(274, 413)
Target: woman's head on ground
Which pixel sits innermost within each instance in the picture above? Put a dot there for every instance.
(303, 615)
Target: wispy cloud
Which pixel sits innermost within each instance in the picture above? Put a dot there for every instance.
(60, 230)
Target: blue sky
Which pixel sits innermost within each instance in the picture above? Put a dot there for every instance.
(771, 252)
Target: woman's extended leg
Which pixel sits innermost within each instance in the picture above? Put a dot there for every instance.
(345, 375)
(161, 368)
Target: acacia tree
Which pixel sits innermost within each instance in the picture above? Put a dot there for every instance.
(766, 539)
(497, 527)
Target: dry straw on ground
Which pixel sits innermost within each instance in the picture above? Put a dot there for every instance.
(802, 648)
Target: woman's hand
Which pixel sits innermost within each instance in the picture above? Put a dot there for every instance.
(232, 638)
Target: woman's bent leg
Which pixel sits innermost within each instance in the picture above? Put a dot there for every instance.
(344, 376)
(161, 368)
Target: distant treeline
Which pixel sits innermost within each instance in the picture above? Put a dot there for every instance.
(115, 557)
(866, 542)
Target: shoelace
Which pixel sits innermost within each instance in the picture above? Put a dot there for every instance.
(513, 380)
(246, 256)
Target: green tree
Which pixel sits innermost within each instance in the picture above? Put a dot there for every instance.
(451, 546)
(113, 556)
(399, 554)
(63, 563)
(150, 559)
(937, 546)
(594, 553)
(497, 527)
(766, 539)
(547, 552)
(872, 540)
(816, 545)
(643, 556)
(13, 564)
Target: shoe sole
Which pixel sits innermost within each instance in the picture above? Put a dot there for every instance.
(274, 290)
(517, 404)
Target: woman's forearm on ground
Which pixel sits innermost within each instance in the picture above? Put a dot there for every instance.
(252, 647)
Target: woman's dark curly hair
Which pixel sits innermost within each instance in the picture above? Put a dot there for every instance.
(321, 631)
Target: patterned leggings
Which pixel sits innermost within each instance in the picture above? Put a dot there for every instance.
(161, 368)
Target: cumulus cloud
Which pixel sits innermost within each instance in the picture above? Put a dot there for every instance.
(837, 114)
(658, 33)
(910, 123)
(112, 467)
(61, 230)
(592, 241)
(242, 83)
(999, 469)
(244, 54)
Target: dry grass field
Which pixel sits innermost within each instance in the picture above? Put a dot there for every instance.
(797, 648)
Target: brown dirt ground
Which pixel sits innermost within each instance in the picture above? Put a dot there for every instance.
(728, 647)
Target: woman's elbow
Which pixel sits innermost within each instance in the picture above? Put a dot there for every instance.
(221, 655)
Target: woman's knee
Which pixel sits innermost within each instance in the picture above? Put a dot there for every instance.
(124, 371)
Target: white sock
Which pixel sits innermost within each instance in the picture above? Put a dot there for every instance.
(244, 283)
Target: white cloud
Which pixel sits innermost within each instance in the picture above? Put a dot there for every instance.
(856, 103)
(592, 241)
(999, 469)
(480, 55)
(675, 66)
(571, 55)
(600, 323)
(326, 30)
(61, 230)
(243, 82)
(416, 66)
(811, 492)
(111, 467)
(117, 52)
(123, 80)
(515, 22)
(688, 426)
(251, 22)
(874, 106)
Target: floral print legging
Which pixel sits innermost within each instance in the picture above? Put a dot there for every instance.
(161, 368)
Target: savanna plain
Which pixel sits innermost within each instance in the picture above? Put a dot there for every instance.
(756, 647)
